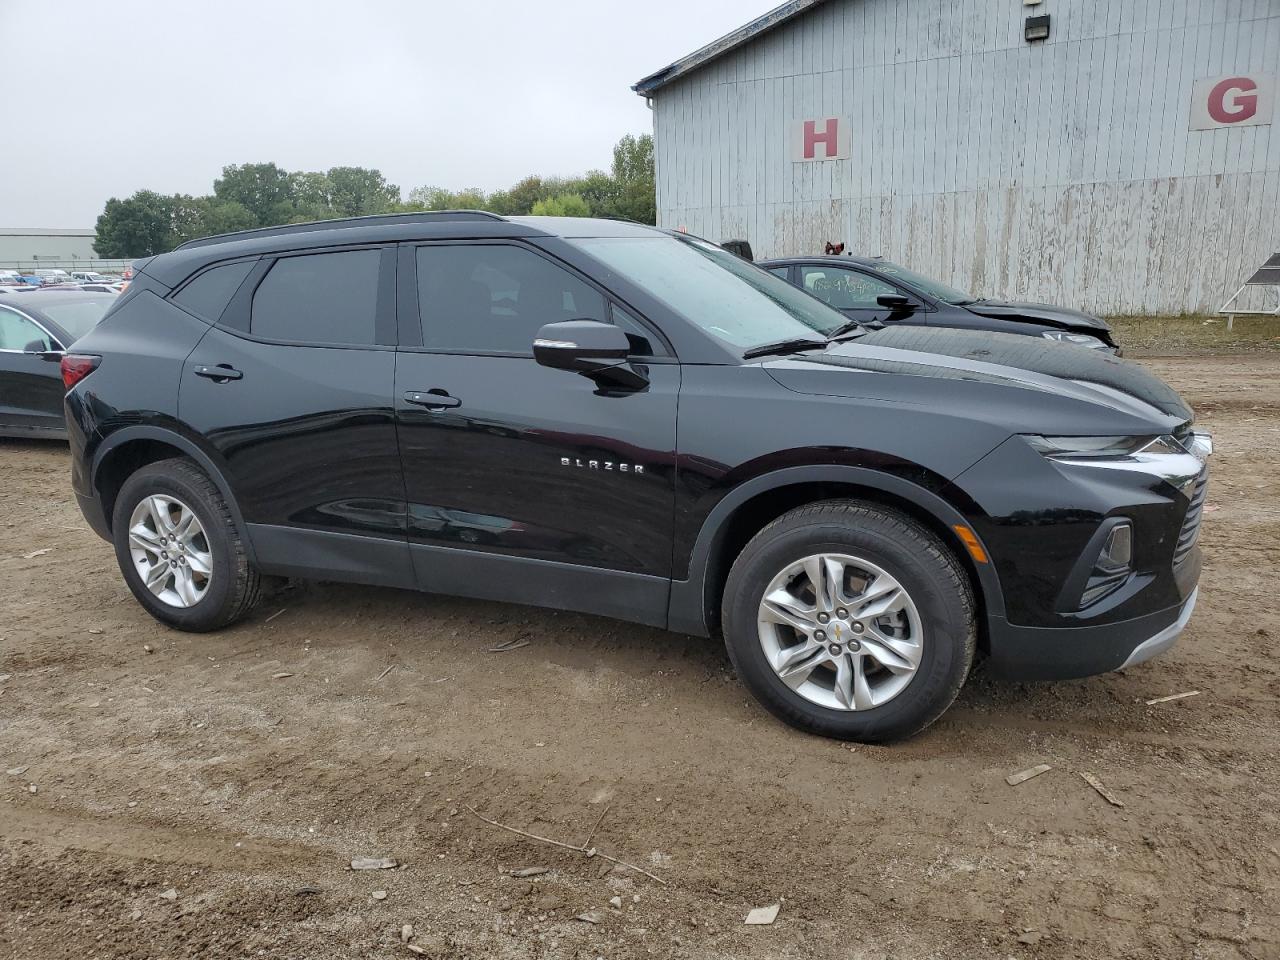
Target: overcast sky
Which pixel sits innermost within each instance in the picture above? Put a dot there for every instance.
(103, 100)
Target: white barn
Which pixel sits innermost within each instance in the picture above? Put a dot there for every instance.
(1129, 161)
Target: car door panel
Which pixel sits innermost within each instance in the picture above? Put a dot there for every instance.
(30, 386)
(566, 486)
(306, 435)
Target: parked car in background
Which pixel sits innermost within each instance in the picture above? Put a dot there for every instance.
(35, 331)
(52, 276)
(604, 417)
(92, 276)
(873, 289)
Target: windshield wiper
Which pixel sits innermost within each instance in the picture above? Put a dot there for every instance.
(845, 329)
(792, 345)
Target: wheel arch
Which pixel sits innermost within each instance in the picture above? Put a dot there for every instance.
(127, 450)
(695, 603)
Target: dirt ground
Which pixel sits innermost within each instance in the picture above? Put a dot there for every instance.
(244, 770)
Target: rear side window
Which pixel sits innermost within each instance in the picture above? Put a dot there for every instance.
(481, 298)
(319, 298)
(208, 294)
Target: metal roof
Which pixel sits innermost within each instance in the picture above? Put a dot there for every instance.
(718, 48)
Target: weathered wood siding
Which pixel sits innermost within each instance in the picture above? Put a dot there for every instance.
(1062, 170)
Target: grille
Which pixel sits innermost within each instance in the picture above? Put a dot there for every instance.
(1190, 531)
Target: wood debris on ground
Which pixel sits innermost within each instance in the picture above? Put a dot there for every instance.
(373, 863)
(530, 871)
(508, 645)
(1024, 775)
(1103, 792)
(1173, 696)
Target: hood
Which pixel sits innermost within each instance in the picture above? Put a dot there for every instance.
(1024, 384)
(1045, 313)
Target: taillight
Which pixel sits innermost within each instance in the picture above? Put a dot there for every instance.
(77, 366)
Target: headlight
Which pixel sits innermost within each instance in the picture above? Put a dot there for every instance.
(1165, 457)
(1094, 448)
(1139, 448)
(1079, 339)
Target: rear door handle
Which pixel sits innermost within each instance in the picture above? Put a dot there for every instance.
(219, 374)
(431, 399)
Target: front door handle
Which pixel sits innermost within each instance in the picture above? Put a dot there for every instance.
(219, 374)
(431, 399)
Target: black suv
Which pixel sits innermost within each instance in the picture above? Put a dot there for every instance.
(604, 417)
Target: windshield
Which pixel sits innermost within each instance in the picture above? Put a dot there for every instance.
(79, 316)
(934, 288)
(733, 300)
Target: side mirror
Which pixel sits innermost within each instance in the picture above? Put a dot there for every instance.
(896, 303)
(594, 349)
(41, 350)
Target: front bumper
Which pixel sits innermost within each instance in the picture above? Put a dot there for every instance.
(1044, 521)
(1064, 653)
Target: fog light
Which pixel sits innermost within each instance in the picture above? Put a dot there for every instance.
(1117, 553)
(1113, 566)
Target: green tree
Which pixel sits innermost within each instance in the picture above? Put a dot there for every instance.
(138, 226)
(438, 198)
(633, 172)
(565, 205)
(358, 191)
(259, 187)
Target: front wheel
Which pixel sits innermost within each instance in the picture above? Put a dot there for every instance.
(179, 550)
(850, 620)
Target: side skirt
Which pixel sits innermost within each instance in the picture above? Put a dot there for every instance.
(635, 597)
(350, 558)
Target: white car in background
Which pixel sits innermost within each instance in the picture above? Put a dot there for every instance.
(92, 276)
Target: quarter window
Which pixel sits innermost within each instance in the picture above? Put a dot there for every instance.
(493, 298)
(844, 289)
(208, 294)
(319, 298)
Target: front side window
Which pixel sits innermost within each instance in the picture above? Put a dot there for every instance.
(934, 288)
(18, 333)
(733, 300)
(493, 298)
(322, 298)
(843, 288)
(208, 294)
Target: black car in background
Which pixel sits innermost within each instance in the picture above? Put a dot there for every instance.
(35, 330)
(871, 288)
(602, 417)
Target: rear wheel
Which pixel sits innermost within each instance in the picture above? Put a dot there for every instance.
(850, 620)
(179, 550)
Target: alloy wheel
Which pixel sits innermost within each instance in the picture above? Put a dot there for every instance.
(170, 550)
(840, 631)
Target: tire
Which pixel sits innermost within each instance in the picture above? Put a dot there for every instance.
(232, 586)
(929, 639)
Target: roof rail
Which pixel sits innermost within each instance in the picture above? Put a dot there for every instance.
(376, 220)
